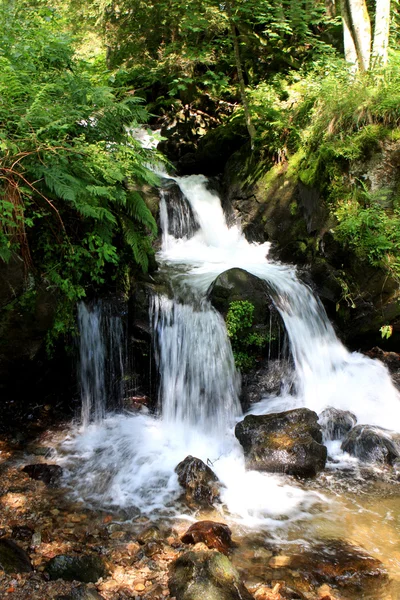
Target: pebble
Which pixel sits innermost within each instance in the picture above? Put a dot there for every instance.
(140, 587)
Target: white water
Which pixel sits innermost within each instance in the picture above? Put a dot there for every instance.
(130, 460)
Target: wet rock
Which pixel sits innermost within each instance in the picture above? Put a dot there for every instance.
(336, 423)
(49, 474)
(206, 575)
(22, 532)
(214, 535)
(150, 534)
(87, 568)
(274, 378)
(201, 485)
(287, 442)
(340, 564)
(372, 444)
(13, 559)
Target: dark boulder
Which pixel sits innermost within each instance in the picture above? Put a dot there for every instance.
(87, 568)
(214, 535)
(13, 559)
(207, 575)
(372, 444)
(237, 284)
(49, 474)
(201, 485)
(287, 442)
(336, 423)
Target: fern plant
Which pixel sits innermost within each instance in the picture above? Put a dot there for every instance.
(68, 162)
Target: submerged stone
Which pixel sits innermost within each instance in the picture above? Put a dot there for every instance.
(13, 559)
(336, 423)
(49, 474)
(372, 444)
(341, 564)
(201, 485)
(87, 568)
(206, 575)
(287, 442)
(213, 534)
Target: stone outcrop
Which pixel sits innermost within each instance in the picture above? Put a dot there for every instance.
(287, 442)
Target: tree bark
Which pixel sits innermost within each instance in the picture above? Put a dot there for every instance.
(359, 25)
(247, 115)
(350, 52)
(381, 33)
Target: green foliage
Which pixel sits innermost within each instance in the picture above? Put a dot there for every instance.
(246, 343)
(386, 331)
(68, 162)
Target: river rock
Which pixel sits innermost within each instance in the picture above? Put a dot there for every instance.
(214, 535)
(206, 575)
(49, 474)
(87, 568)
(13, 559)
(287, 442)
(336, 423)
(201, 485)
(372, 444)
(339, 564)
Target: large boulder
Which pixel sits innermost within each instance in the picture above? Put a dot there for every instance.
(201, 485)
(336, 423)
(13, 559)
(207, 575)
(372, 444)
(287, 442)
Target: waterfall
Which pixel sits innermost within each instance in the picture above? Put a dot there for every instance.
(101, 360)
(129, 459)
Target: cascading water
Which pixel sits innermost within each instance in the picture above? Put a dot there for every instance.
(199, 384)
(101, 360)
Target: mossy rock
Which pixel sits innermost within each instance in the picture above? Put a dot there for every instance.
(206, 575)
(87, 568)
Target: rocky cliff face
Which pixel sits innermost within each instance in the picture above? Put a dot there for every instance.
(272, 204)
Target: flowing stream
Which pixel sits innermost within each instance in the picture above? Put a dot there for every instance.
(126, 460)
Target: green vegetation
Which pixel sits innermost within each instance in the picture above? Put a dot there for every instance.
(247, 344)
(68, 164)
(75, 79)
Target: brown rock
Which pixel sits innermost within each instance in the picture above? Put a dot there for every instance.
(213, 534)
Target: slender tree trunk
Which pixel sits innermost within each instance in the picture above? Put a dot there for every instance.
(247, 115)
(350, 52)
(381, 33)
(357, 22)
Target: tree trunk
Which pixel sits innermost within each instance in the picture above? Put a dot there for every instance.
(350, 52)
(381, 33)
(359, 25)
(249, 123)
